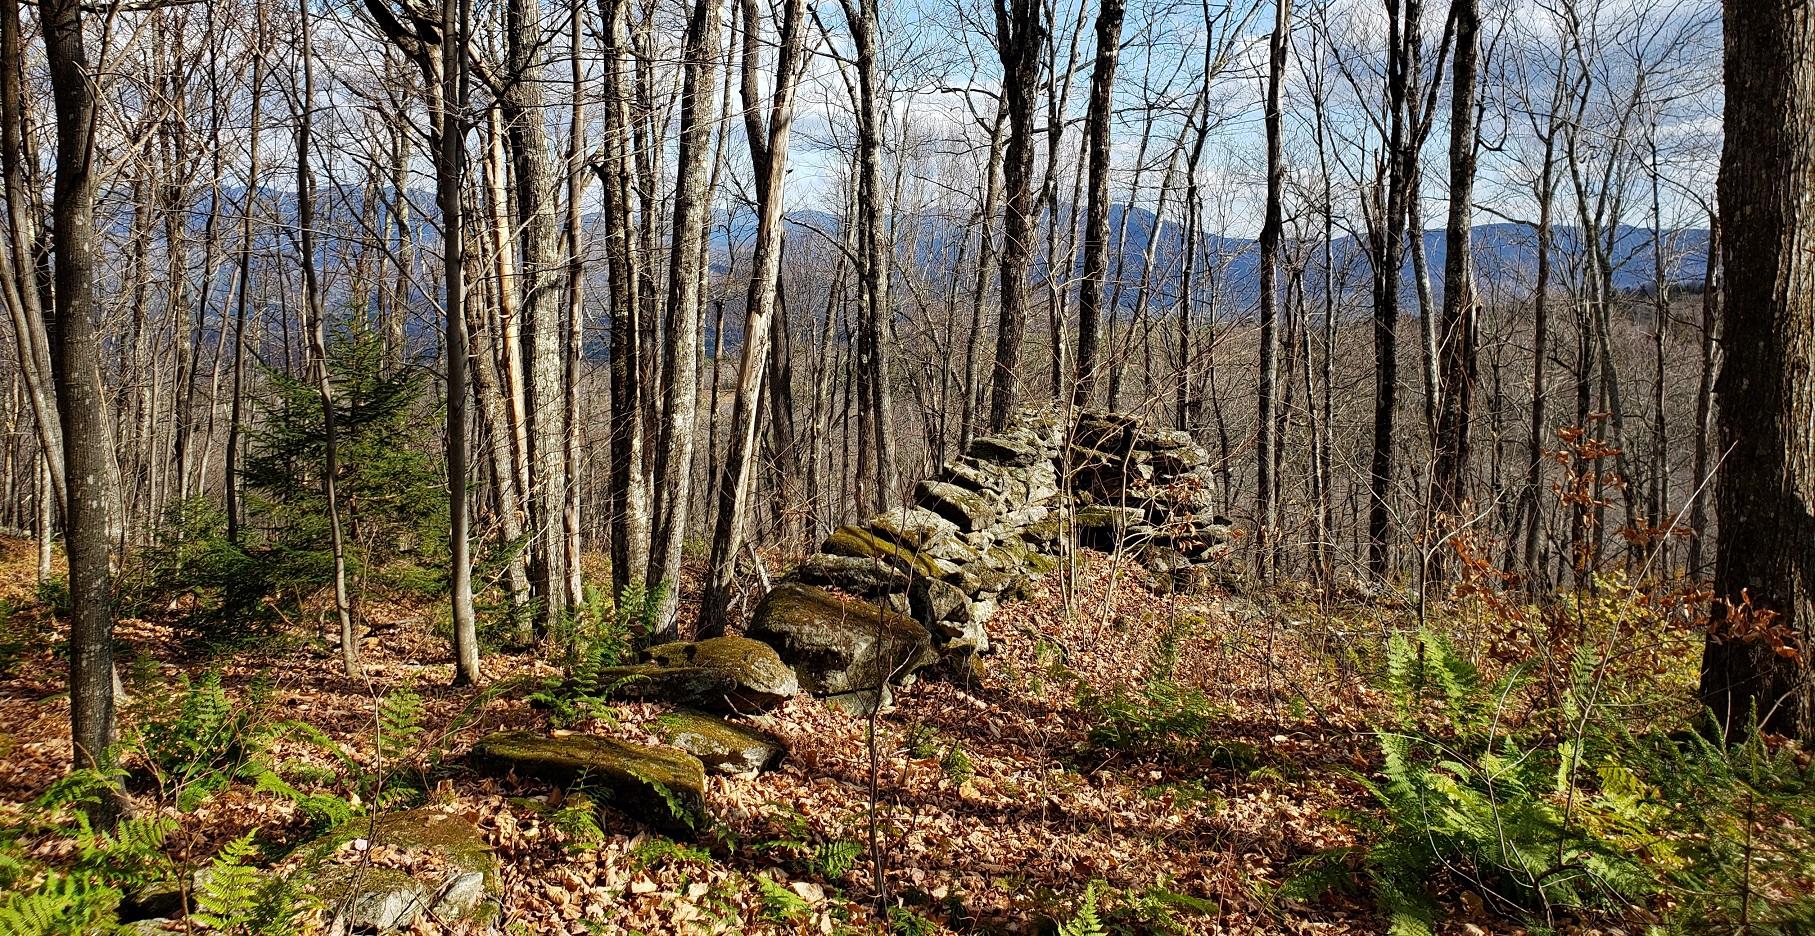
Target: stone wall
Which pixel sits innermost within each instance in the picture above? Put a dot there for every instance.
(919, 583)
(891, 595)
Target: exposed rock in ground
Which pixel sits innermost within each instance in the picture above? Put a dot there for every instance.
(838, 645)
(662, 787)
(458, 882)
(723, 746)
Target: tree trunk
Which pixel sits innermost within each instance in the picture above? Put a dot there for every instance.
(75, 343)
(1266, 518)
(1755, 661)
(768, 141)
(538, 281)
(680, 369)
(1457, 329)
(1096, 214)
(1020, 33)
(450, 170)
(316, 331)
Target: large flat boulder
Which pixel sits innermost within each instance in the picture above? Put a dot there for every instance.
(867, 578)
(663, 787)
(837, 645)
(858, 542)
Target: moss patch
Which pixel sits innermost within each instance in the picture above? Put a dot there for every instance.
(860, 543)
(661, 786)
(721, 745)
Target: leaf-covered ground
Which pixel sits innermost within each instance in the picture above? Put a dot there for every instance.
(994, 811)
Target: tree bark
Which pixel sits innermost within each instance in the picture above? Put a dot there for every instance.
(1096, 213)
(1020, 33)
(1457, 328)
(1755, 661)
(680, 369)
(75, 343)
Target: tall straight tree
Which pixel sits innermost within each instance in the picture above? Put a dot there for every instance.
(680, 372)
(876, 453)
(539, 302)
(1096, 211)
(1272, 229)
(768, 141)
(628, 489)
(315, 329)
(449, 132)
(1764, 562)
(75, 344)
(21, 286)
(1456, 328)
(1020, 37)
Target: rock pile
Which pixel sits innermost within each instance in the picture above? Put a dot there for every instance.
(1150, 491)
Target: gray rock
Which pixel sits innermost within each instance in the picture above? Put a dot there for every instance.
(932, 600)
(723, 746)
(375, 898)
(382, 899)
(911, 527)
(460, 896)
(863, 701)
(858, 576)
(836, 645)
(968, 510)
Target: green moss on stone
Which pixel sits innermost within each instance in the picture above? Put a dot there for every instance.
(857, 542)
(662, 786)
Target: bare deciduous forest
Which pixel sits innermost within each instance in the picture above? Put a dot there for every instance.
(1286, 466)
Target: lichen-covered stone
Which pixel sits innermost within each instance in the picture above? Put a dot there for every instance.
(932, 600)
(969, 510)
(372, 899)
(723, 746)
(859, 543)
(911, 527)
(722, 673)
(1004, 450)
(836, 645)
(663, 787)
(866, 577)
(463, 885)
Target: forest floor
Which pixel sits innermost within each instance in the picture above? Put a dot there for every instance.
(994, 812)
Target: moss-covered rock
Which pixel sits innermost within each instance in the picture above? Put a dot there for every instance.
(721, 673)
(462, 885)
(1004, 450)
(663, 787)
(836, 645)
(911, 527)
(969, 510)
(859, 543)
(723, 746)
(858, 576)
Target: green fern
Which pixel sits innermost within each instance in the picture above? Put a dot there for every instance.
(1086, 922)
(225, 897)
(836, 858)
(399, 725)
(780, 903)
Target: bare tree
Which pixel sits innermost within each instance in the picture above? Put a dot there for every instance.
(1020, 34)
(768, 141)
